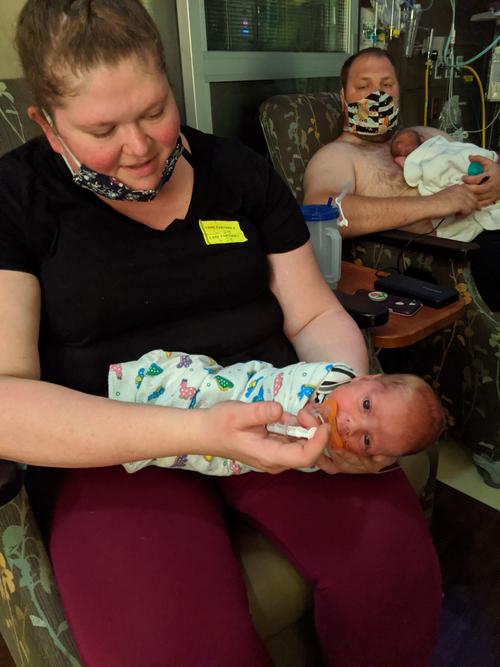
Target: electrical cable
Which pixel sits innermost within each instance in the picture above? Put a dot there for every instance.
(483, 105)
(412, 240)
(402, 251)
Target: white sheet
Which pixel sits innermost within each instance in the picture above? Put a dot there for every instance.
(439, 163)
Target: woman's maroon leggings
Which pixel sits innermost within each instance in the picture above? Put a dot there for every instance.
(148, 577)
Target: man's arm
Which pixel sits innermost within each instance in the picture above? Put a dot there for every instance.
(374, 214)
(331, 170)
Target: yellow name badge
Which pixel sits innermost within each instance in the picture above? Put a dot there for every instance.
(216, 232)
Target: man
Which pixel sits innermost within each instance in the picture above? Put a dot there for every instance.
(360, 163)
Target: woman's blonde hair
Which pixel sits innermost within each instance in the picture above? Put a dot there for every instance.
(59, 40)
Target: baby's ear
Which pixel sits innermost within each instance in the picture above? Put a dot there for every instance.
(400, 161)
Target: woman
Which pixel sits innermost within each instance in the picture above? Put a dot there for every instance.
(121, 233)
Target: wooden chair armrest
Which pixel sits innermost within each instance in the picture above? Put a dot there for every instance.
(433, 245)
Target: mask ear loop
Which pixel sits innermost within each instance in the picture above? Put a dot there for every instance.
(345, 111)
(48, 118)
(53, 128)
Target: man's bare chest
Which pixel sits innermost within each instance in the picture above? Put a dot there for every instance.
(377, 175)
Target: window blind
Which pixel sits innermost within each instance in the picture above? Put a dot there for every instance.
(277, 25)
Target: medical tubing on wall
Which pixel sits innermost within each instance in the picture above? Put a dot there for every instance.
(483, 105)
(426, 90)
(485, 50)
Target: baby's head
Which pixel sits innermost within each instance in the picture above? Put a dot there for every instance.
(403, 143)
(393, 415)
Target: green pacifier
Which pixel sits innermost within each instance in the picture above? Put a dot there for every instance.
(475, 168)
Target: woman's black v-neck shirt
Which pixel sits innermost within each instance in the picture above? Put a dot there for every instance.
(113, 288)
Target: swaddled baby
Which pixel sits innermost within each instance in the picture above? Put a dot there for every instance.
(371, 415)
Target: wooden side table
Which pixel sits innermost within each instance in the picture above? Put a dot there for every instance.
(399, 331)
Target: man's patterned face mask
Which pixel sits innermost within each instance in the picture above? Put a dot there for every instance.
(375, 114)
(111, 188)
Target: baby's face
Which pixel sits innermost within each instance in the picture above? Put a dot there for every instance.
(371, 418)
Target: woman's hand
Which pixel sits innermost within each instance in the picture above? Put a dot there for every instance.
(489, 191)
(347, 462)
(237, 431)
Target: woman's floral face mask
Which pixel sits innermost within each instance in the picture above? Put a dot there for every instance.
(111, 188)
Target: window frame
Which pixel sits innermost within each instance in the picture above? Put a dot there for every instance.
(201, 67)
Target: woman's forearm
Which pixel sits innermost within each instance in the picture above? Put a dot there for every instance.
(45, 424)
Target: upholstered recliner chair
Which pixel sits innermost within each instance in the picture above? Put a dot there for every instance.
(462, 362)
(32, 620)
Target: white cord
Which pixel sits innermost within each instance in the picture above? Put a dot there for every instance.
(487, 126)
(343, 221)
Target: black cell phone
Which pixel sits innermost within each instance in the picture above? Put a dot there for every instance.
(403, 305)
(399, 305)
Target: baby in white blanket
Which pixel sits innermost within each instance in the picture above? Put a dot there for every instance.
(437, 163)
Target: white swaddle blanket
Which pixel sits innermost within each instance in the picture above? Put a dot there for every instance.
(181, 380)
(439, 163)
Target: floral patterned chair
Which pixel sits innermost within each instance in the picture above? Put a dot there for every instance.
(462, 362)
(32, 620)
